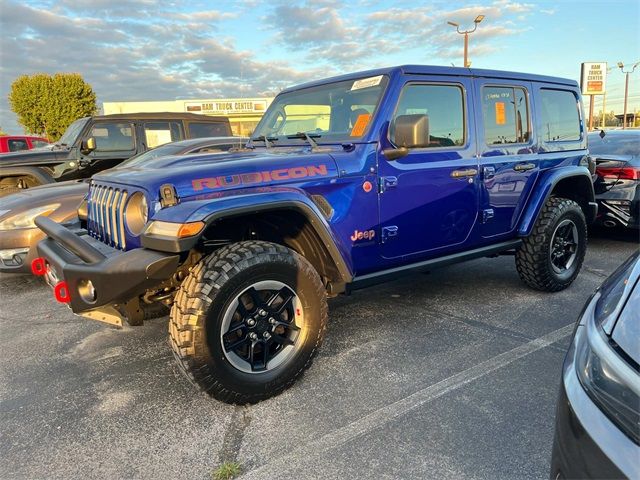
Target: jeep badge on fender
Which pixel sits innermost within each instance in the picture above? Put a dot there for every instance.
(246, 248)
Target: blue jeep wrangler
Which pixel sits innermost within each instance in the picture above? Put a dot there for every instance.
(346, 181)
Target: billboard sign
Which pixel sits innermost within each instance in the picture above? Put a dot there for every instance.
(593, 78)
(227, 107)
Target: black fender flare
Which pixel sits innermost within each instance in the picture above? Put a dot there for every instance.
(38, 173)
(314, 218)
(547, 186)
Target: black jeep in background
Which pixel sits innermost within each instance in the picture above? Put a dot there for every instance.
(92, 144)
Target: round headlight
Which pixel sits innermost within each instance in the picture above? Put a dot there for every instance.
(136, 213)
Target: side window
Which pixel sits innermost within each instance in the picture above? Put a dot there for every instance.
(17, 145)
(560, 116)
(506, 115)
(113, 137)
(444, 107)
(159, 133)
(201, 130)
(39, 143)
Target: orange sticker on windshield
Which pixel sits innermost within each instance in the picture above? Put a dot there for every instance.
(361, 124)
(501, 118)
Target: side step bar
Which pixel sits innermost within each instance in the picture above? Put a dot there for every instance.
(362, 281)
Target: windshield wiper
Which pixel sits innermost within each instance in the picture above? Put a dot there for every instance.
(308, 137)
(262, 138)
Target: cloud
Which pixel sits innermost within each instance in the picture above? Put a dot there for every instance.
(132, 55)
(151, 51)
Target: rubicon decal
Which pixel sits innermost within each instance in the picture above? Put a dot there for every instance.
(254, 178)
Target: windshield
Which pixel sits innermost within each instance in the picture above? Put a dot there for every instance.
(335, 112)
(72, 132)
(615, 144)
(164, 150)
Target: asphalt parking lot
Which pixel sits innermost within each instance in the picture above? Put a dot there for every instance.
(441, 375)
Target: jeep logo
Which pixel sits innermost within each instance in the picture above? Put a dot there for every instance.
(366, 235)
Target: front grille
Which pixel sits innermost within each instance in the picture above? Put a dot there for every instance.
(105, 219)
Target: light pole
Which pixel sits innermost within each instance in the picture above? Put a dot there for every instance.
(626, 89)
(466, 33)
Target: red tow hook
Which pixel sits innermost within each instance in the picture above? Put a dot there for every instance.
(39, 266)
(61, 291)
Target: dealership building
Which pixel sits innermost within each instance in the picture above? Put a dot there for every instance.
(243, 113)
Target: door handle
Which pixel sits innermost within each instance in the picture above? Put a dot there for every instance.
(469, 172)
(523, 167)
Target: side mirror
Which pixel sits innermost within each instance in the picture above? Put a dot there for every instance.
(408, 131)
(88, 145)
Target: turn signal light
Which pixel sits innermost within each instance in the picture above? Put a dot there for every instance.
(190, 229)
(61, 292)
(39, 266)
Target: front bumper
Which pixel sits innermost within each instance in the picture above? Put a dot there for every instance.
(586, 443)
(116, 276)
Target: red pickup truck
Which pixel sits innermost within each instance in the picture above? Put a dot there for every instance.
(15, 143)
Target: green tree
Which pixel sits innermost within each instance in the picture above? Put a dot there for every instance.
(47, 105)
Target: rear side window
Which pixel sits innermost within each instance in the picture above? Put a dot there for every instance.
(159, 133)
(201, 130)
(17, 145)
(559, 115)
(506, 115)
(39, 143)
(444, 106)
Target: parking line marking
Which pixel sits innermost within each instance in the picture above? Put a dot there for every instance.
(384, 415)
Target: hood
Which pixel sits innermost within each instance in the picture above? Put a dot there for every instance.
(63, 192)
(206, 173)
(38, 156)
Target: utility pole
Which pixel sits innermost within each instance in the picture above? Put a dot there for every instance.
(466, 33)
(626, 89)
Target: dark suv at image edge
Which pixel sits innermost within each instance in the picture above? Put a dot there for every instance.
(92, 144)
(346, 181)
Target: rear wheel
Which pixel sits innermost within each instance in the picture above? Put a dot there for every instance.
(248, 320)
(550, 258)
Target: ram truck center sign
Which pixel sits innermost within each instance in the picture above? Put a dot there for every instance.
(593, 78)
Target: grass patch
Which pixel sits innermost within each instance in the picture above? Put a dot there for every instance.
(226, 471)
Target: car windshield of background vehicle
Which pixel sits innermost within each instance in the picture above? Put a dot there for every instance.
(614, 144)
(162, 151)
(72, 132)
(560, 116)
(335, 112)
(443, 105)
(506, 115)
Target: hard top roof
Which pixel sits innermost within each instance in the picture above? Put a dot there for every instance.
(162, 116)
(440, 70)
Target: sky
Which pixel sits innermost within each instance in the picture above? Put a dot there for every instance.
(148, 50)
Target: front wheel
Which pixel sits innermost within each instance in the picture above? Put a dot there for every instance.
(550, 258)
(248, 320)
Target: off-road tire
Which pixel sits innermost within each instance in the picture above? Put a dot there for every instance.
(533, 257)
(205, 295)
